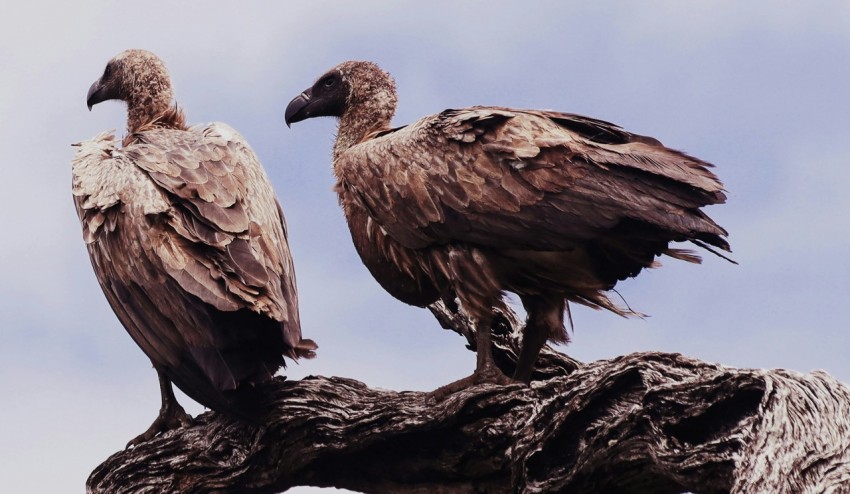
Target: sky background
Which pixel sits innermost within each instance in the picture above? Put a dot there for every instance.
(758, 88)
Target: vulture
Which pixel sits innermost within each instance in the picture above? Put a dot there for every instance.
(470, 203)
(189, 245)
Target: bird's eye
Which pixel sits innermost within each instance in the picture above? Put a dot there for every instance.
(329, 81)
(107, 71)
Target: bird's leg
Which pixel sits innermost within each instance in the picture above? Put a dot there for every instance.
(545, 320)
(486, 370)
(479, 291)
(533, 338)
(171, 414)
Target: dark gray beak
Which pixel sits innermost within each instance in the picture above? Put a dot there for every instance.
(299, 108)
(95, 94)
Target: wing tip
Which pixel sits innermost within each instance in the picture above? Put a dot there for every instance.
(724, 246)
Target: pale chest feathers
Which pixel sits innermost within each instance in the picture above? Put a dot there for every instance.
(106, 184)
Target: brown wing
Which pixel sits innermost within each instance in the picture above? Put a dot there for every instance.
(223, 203)
(189, 246)
(514, 179)
(392, 267)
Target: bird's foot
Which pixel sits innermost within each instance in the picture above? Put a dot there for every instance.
(487, 375)
(170, 417)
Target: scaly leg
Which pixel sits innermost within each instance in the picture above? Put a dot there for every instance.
(477, 288)
(545, 320)
(171, 414)
(486, 370)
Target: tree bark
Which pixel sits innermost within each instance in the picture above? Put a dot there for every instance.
(645, 422)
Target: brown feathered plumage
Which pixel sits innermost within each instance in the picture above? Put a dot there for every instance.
(469, 203)
(188, 243)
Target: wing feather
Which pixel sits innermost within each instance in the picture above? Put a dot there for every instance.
(189, 244)
(520, 179)
(206, 174)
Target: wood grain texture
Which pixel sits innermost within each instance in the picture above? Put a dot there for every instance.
(645, 422)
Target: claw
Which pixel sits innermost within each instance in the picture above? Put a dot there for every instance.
(486, 371)
(488, 375)
(171, 415)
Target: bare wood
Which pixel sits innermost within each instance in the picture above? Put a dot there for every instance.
(645, 422)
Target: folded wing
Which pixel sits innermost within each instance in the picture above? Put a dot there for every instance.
(535, 180)
(191, 251)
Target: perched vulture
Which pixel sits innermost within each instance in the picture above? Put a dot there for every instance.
(189, 245)
(469, 203)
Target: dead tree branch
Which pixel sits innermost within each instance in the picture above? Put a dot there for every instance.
(646, 422)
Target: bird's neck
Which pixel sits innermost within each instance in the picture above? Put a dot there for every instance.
(358, 122)
(160, 113)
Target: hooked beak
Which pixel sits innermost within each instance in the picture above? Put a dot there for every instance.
(299, 108)
(95, 94)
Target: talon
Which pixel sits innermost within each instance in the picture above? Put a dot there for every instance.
(487, 375)
(171, 415)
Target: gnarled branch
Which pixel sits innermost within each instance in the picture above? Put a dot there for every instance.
(646, 422)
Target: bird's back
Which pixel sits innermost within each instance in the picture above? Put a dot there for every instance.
(189, 245)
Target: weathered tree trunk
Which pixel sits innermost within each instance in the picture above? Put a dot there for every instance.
(646, 422)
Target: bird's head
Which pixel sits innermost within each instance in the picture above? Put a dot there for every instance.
(353, 84)
(132, 76)
(140, 79)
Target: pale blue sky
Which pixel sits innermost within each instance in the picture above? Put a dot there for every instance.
(758, 88)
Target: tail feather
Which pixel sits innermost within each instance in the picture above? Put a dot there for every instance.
(684, 255)
(599, 300)
(304, 349)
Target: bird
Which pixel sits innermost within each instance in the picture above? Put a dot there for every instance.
(189, 245)
(468, 204)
